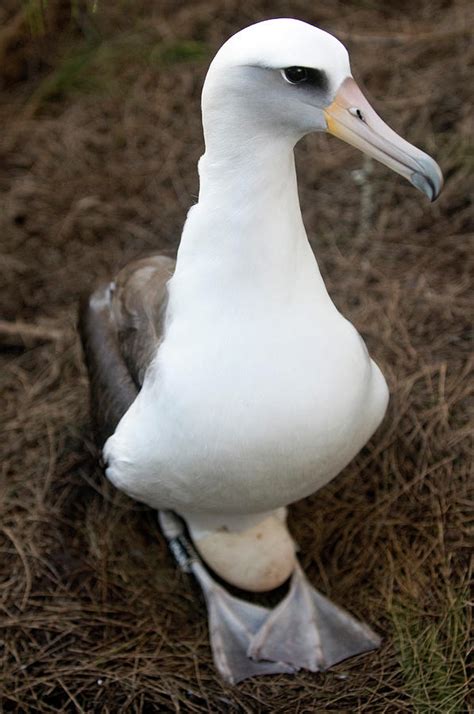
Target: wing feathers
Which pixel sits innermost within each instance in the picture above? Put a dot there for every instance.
(121, 327)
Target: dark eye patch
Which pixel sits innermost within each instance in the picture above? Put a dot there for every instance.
(306, 75)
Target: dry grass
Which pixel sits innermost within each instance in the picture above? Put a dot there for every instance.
(93, 615)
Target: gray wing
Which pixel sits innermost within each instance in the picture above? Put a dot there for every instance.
(121, 326)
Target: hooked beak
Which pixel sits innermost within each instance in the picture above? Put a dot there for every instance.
(351, 118)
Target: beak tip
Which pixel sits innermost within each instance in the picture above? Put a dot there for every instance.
(429, 180)
(437, 184)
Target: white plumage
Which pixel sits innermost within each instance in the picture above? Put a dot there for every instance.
(261, 391)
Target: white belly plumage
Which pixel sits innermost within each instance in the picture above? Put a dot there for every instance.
(249, 424)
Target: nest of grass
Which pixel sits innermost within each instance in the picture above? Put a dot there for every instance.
(101, 134)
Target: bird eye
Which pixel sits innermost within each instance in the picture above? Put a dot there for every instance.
(295, 75)
(315, 78)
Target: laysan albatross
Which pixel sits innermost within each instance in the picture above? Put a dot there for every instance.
(226, 384)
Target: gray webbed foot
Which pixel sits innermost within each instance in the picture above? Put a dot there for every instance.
(232, 622)
(307, 630)
(232, 625)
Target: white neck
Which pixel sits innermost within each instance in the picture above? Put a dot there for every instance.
(248, 200)
(244, 241)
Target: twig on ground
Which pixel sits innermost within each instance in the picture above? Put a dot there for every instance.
(17, 334)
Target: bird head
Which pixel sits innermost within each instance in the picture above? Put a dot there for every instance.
(288, 78)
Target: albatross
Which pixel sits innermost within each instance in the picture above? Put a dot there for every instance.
(226, 384)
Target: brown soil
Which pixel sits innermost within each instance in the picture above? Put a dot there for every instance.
(95, 616)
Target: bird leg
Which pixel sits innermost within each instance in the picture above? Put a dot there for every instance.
(305, 630)
(232, 622)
